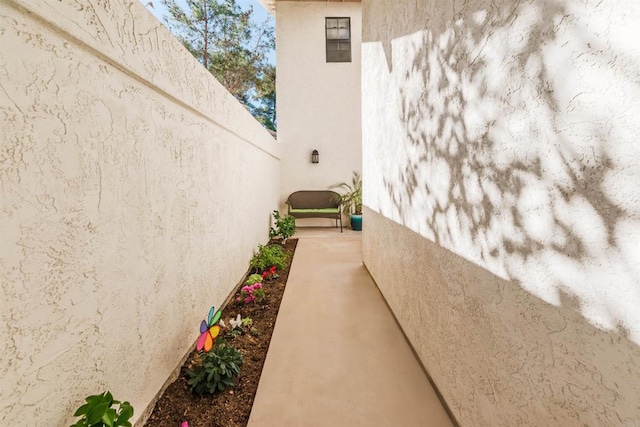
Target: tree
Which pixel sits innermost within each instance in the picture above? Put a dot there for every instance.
(265, 109)
(228, 43)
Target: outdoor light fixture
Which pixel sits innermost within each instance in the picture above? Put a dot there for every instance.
(315, 157)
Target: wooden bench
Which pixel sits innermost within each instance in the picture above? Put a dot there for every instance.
(315, 204)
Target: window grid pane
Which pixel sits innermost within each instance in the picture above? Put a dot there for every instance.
(338, 39)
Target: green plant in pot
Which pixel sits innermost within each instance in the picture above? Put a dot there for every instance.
(351, 199)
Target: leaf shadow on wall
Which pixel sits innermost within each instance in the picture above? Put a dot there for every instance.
(508, 154)
(478, 191)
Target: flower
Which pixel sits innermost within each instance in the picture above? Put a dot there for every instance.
(184, 424)
(237, 322)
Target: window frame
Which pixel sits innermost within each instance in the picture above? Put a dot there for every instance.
(337, 42)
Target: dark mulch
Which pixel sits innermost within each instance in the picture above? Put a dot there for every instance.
(232, 407)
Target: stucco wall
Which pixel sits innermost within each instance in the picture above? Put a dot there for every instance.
(502, 185)
(318, 102)
(134, 190)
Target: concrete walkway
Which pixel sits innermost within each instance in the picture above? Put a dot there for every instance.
(337, 356)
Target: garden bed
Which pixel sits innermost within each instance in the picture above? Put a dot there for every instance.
(231, 407)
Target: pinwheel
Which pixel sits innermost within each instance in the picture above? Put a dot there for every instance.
(209, 330)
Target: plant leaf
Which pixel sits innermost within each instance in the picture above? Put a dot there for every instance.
(126, 412)
(82, 410)
(109, 417)
(95, 414)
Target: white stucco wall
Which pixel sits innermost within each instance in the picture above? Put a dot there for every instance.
(134, 190)
(502, 186)
(318, 103)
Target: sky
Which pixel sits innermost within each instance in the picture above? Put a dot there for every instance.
(259, 14)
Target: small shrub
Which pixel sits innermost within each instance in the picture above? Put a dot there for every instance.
(98, 412)
(253, 279)
(251, 293)
(270, 255)
(285, 227)
(217, 369)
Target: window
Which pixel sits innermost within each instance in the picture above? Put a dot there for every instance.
(338, 32)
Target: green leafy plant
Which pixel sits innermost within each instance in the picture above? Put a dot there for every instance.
(247, 321)
(216, 370)
(253, 279)
(351, 197)
(233, 333)
(269, 255)
(98, 412)
(285, 226)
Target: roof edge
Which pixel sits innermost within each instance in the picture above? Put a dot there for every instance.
(269, 6)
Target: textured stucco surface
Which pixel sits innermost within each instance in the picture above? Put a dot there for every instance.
(134, 189)
(318, 102)
(502, 185)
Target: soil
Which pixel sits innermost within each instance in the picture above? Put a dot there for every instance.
(232, 407)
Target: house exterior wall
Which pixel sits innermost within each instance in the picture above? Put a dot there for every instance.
(502, 201)
(318, 103)
(134, 190)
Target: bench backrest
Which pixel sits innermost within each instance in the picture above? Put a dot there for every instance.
(313, 199)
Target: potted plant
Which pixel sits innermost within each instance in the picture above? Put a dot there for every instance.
(351, 199)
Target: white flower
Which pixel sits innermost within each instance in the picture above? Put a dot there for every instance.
(236, 323)
(222, 324)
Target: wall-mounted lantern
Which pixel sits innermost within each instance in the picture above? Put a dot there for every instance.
(315, 157)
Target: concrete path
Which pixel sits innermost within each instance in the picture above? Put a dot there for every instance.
(337, 357)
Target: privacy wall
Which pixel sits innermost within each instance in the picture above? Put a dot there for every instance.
(502, 186)
(134, 189)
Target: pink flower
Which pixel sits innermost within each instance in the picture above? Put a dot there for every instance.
(184, 424)
(258, 285)
(238, 299)
(247, 300)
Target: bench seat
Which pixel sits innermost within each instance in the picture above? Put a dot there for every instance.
(325, 210)
(315, 204)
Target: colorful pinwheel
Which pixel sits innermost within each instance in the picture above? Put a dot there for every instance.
(209, 330)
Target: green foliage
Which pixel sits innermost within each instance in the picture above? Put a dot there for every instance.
(285, 227)
(253, 279)
(216, 370)
(98, 412)
(233, 333)
(269, 255)
(265, 110)
(232, 46)
(247, 321)
(351, 198)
